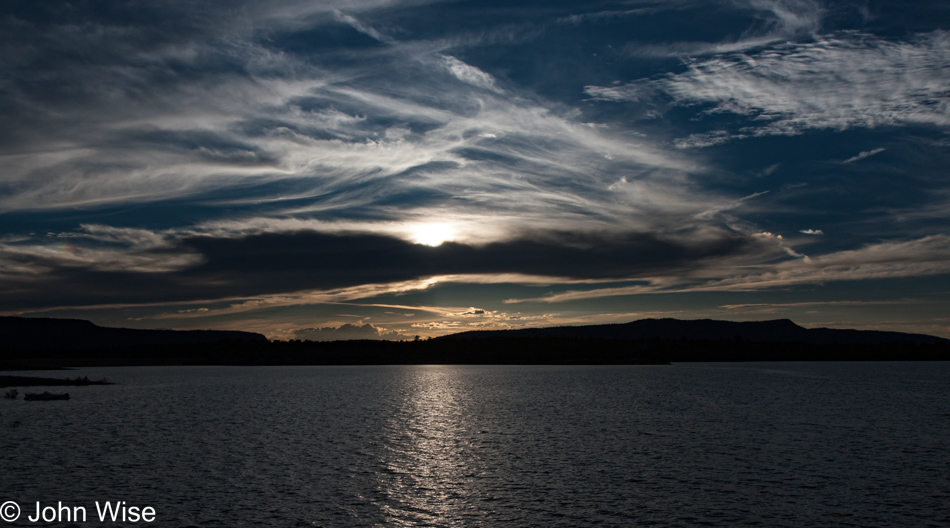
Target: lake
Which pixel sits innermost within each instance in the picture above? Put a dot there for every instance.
(710, 444)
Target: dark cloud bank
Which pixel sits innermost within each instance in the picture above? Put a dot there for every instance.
(280, 263)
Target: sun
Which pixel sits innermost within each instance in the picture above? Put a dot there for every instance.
(432, 234)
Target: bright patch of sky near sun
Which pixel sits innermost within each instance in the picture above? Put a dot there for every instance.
(433, 234)
(292, 164)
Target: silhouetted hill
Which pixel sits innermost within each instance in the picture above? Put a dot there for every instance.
(777, 331)
(28, 343)
(29, 333)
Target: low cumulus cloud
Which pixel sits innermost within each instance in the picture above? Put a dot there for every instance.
(346, 332)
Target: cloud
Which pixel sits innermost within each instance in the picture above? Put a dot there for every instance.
(362, 28)
(94, 248)
(303, 260)
(865, 154)
(283, 153)
(790, 17)
(773, 21)
(927, 256)
(206, 268)
(269, 270)
(756, 306)
(762, 272)
(231, 158)
(835, 82)
(813, 232)
(770, 21)
(242, 120)
(469, 74)
(346, 332)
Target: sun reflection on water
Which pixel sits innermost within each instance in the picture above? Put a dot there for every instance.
(428, 478)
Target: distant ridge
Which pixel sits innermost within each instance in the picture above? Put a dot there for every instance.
(33, 344)
(29, 333)
(778, 330)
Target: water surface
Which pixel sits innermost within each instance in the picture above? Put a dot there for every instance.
(760, 444)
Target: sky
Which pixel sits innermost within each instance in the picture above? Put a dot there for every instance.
(384, 169)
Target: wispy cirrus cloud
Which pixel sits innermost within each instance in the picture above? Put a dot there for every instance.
(469, 74)
(756, 306)
(776, 21)
(835, 82)
(237, 120)
(93, 248)
(864, 154)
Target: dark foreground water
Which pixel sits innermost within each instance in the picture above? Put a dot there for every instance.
(765, 444)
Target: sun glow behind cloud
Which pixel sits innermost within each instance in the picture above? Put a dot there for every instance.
(433, 234)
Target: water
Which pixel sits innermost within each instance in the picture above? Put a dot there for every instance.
(761, 444)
